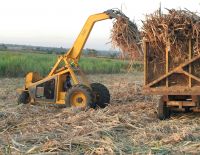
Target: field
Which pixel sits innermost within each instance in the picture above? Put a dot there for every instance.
(18, 64)
(129, 125)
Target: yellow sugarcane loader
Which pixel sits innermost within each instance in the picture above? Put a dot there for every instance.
(63, 85)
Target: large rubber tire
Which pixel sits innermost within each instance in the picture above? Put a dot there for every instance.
(23, 98)
(163, 111)
(83, 102)
(101, 94)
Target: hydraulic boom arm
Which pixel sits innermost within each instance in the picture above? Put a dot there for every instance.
(74, 53)
(76, 50)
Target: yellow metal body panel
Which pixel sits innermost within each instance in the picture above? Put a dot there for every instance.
(31, 78)
(61, 96)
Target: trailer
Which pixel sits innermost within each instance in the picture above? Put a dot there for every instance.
(178, 81)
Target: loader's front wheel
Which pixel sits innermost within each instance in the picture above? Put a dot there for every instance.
(163, 110)
(101, 94)
(79, 96)
(23, 98)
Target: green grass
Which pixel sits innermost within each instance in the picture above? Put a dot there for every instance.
(17, 64)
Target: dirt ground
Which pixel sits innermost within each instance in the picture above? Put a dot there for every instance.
(129, 125)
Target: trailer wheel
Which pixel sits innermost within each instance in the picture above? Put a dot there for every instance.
(163, 110)
(23, 98)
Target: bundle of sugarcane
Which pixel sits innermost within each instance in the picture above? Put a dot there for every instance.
(126, 36)
(173, 28)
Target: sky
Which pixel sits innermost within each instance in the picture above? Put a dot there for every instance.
(57, 23)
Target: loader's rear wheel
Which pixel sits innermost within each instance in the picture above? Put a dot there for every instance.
(79, 96)
(163, 110)
(23, 98)
(101, 94)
